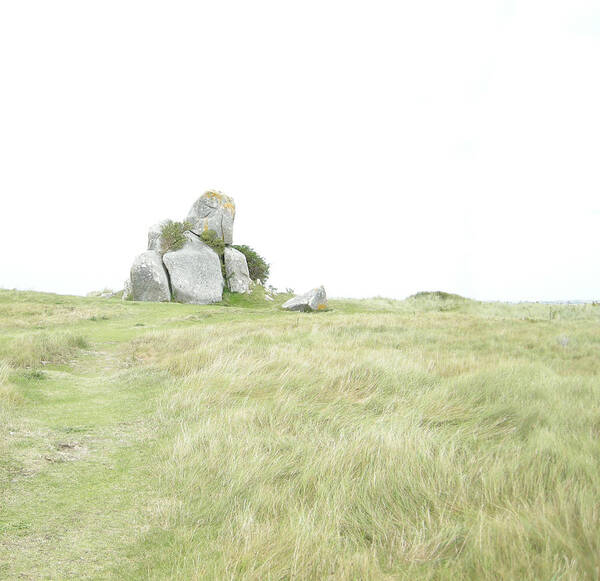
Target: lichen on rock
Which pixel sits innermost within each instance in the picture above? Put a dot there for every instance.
(185, 264)
(213, 210)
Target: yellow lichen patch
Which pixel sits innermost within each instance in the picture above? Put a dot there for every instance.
(229, 206)
(205, 227)
(321, 307)
(214, 194)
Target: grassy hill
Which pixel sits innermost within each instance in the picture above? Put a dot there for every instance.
(432, 438)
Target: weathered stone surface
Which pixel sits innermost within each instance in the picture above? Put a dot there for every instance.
(127, 294)
(195, 272)
(313, 300)
(149, 281)
(213, 211)
(236, 271)
(154, 236)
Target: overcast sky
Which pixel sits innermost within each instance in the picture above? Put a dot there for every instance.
(378, 148)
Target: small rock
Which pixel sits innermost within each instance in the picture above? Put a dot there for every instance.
(313, 300)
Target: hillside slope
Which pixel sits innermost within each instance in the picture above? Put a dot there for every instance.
(432, 438)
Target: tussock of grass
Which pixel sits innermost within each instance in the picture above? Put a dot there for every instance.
(8, 392)
(436, 295)
(34, 349)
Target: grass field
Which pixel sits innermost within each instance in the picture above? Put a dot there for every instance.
(429, 438)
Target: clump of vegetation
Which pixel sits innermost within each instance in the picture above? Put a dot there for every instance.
(33, 375)
(253, 299)
(172, 235)
(101, 293)
(8, 392)
(212, 239)
(257, 265)
(4, 372)
(35, 349)
(439, 301)
(441, 295)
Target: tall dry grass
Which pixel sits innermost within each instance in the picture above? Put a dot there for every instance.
(34, 349)
(8, 392)
(376, 446)
(432, 438)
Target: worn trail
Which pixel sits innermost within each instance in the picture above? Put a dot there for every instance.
(77, 476)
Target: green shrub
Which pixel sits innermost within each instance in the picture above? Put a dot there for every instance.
(212, 239)
(33, 375)
(172, 237)
(257, 265)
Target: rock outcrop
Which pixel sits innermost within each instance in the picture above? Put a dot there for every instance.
(154, 236)
(149, 280)
(127, 294)
(213, 211)
(313, 300)
(236, 271)
(194, 272)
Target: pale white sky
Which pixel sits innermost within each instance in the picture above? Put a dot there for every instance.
(378, 148)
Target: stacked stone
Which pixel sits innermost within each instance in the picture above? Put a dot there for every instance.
(192, 274)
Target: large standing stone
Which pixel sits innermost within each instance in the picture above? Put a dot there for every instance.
(149, 280)
(155, 236)
(236, 271)
(313, 300)
(213, 211)
(195, 272)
